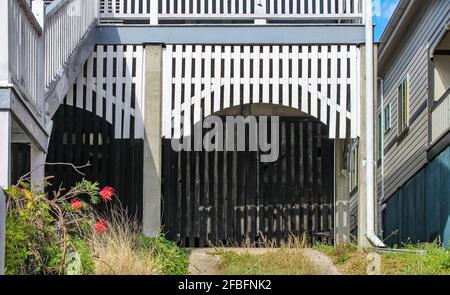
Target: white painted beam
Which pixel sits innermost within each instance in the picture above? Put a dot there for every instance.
(5, 175)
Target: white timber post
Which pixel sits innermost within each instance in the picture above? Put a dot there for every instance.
(4, 40)
(37, 157)
(5, 177)
(38, 8)
(154, 8)
(260, 9)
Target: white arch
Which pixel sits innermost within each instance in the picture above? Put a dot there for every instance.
(323, 79)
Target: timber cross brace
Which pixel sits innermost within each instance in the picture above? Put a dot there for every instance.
(98, 76)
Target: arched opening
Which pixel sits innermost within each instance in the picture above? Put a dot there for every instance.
(232, 197)
(80, 137)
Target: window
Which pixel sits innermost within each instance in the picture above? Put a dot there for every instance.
(354, 166)
(379, 136)
(403, 105)
(387, 118)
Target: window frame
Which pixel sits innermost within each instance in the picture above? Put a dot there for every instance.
(380, 133)
(403, 100)
(387, 123)
(354, 166)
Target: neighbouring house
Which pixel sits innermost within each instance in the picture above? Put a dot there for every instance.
(114, 83)
(413, 111)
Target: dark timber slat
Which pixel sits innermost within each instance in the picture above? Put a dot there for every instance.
(80, 137)
(231, 197)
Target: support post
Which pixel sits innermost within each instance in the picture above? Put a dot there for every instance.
(342, 197)
(38, 8)
(152, 193)
(4, 40)
(37, 158)
(5, 177)
(363, 242)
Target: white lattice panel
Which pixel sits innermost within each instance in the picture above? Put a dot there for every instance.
(321, 81)
(111, 85)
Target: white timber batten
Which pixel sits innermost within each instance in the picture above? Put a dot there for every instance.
(259, 11)
(319, 80)
(111, 86)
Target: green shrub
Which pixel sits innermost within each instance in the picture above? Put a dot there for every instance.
(39, 228)
(87, 261)
(170, 259)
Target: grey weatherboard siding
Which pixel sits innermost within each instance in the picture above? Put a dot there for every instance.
(404, 157)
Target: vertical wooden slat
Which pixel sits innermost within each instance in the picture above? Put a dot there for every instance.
(333, 95)
(99, 102)
(305, 82)
(295, 75)
(246, 80)
(344, 83)
(285, 75)
(118, 98)
(227, 80)
(266, 74)
(237, 75)
(256, 74)
(208, 98)
(217, 86)
(276, 75)
(314, 80)
(167, 92)
(324, 85)
(353, 91)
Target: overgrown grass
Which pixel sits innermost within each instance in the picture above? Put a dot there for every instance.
(424, 259)
(267, 258)
(278, 262)
(123, 250)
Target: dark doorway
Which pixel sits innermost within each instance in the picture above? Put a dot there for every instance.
(80, 137)
(231, 198)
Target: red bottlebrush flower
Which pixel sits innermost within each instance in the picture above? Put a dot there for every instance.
(75, 204)
(107, 193)
(101, 226)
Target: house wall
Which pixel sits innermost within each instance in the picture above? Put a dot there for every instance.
(420, 211)
(404, 157)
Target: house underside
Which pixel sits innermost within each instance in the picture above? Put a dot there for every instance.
(136, 77)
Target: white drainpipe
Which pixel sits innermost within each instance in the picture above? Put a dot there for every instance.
(370, 162)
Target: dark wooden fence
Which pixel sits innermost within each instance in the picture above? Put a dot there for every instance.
(79, 137)
(20, 161)
(232, 198)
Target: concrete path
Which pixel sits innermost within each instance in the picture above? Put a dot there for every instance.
(203, 262)
(321, 262)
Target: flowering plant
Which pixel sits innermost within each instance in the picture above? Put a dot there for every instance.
(41, 229)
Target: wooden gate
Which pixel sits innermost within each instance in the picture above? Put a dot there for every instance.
(81, 137)
(232, 198)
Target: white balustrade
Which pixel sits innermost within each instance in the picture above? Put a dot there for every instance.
(66, 24)
(440, 117)
(254, 10)
(24, 36)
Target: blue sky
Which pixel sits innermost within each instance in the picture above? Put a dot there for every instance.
(382, 13)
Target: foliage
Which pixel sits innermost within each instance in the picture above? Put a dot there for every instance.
(40, 228)
(169, 258)
(124, 250)
(283, 261)
(422, 259)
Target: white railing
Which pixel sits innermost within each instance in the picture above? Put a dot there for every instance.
(440, 117)
(24, 37)
(189, 10)
(66, 24)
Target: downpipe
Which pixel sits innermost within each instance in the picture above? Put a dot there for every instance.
(370, 162)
